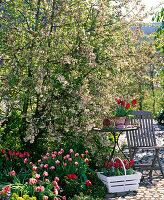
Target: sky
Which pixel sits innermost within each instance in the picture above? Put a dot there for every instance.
(152, 4)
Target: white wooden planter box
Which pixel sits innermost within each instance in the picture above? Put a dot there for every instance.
(121, 183)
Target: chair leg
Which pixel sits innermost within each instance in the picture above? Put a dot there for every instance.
(153, 162)
(160, 166)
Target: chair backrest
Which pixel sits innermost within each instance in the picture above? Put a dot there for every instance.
(145, 135)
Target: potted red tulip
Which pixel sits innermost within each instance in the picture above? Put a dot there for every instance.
(119, 176)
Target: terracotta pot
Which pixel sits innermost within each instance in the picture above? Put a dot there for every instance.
(108, 122)
(119, 120)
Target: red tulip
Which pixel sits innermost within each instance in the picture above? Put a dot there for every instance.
(110, 163)
(106, 164)
(127, 106)
(134, 102)
(88, 183)
(123, 103)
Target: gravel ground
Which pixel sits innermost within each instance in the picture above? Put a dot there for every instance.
(149, 189)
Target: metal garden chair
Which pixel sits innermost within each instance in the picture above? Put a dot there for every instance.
(144, 138)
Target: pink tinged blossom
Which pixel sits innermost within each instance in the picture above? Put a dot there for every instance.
(70, 159)
(64, 197)
(44, 158)
(41, 166)
(3, 150)
(21, 155)
(77, 155)
(55, 191)
(52, 167)
(59, 153)
(45, 173)
(71, 151)
(25, 160)
(39, 161)
(55, 152)
(12, 173)
(86, 160)
(76, 163)
(65, 164)
(82, 155)
(86, 152)
(46, 166)
(37, 189)
(57, 162)
(37, 176)
(10, 153)
(62, 150)
(56, 179)
(47, 154)
(13, 153)
(32, 181)
(45, 197)
(34, 168)
(31, 163)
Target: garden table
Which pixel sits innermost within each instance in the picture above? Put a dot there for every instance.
(116, 136)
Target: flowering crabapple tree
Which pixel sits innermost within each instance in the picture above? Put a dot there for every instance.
(62, 62)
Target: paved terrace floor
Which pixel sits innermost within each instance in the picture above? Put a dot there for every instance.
(149, 189)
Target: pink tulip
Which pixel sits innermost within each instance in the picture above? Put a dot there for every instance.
(39, 161)
(76, 163)
(82, 155)
(44, 158)
(59, 153)
(28, 154)
(86, 160)
(86, 152)
(10, 153)
(32, 181)
(37, 176)
(53, 156)
(34, 168)
(71, 151)
(12, 173)
(45, 173)
(6, 189)
(77, 155)
(70, 159)
(47, 154)
(42, 188)
(55, 152)
(57, 162)
(45, 197)
(41, 166)
(52, 167)
(46, 166)
(31, 163)
(64, 197)
(7, 158)
(25, 160)
(13, 153)
(62, 150)
(68, 156)
(37, 189)
(65, 164)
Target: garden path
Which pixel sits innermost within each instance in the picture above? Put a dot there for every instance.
(149, 189)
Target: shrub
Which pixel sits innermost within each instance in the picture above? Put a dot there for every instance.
(160, 117)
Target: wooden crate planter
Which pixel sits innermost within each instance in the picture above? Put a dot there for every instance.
(122, 183)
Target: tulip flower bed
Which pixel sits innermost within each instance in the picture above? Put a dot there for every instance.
(56, 175)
